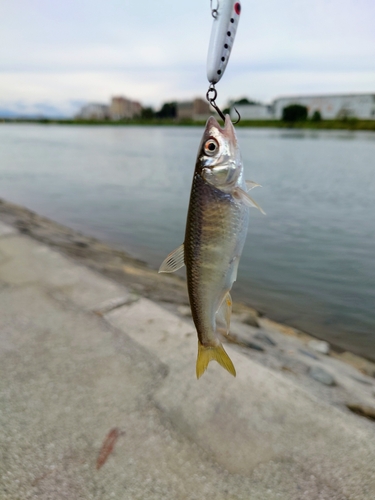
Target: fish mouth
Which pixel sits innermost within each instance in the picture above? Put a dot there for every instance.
(213, 123)
(228, 131)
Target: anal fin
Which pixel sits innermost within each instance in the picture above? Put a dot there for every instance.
(217, 353)
(224, 312)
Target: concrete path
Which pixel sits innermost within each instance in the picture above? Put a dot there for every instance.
(82, 359)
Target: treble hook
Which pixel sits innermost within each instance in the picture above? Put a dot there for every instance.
(211, 100)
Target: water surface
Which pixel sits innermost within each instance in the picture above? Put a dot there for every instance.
(309, 262)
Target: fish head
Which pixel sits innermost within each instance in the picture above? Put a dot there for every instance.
(219, 159)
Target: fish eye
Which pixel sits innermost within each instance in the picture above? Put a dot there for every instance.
(210, 147)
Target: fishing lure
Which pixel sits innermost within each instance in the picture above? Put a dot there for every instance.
(226, 17)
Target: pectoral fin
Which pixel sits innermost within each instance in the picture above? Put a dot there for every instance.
(240, 195)
(174, 261)
(251, 185)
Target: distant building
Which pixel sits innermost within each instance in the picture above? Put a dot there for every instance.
(94, 111)
(331, 106)
(252, 112)
(121, 108)
(198, 109)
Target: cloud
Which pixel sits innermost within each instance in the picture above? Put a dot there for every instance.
(55, 52)
(59, 87)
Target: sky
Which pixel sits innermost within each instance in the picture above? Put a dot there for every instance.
(56, 55)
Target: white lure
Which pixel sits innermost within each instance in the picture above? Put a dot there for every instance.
(226, 17)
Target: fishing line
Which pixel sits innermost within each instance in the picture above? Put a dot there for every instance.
(214, 12)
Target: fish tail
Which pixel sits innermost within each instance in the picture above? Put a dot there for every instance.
(207, 354)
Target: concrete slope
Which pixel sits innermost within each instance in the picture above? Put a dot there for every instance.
(259, 417)
(70, 377)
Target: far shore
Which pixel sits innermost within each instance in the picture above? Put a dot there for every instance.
(353, 124)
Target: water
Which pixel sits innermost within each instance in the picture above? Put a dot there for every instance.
(309, 262)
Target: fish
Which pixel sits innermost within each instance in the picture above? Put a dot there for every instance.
(216, 228)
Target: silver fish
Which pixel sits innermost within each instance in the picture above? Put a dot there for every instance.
(215, 235)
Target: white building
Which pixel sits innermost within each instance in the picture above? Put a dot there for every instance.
(252, 112)
(331, 106)
(94, 111)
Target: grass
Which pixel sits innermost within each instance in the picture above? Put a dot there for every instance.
(346, 124)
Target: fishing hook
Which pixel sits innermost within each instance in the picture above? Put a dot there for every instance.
(214, 12)
(212, 101)
(239, 116)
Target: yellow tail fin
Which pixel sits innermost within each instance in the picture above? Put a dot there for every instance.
(207, 354)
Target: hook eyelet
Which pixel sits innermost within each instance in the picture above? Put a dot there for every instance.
(212, 101)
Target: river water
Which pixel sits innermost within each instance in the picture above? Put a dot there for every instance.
(309, 262)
